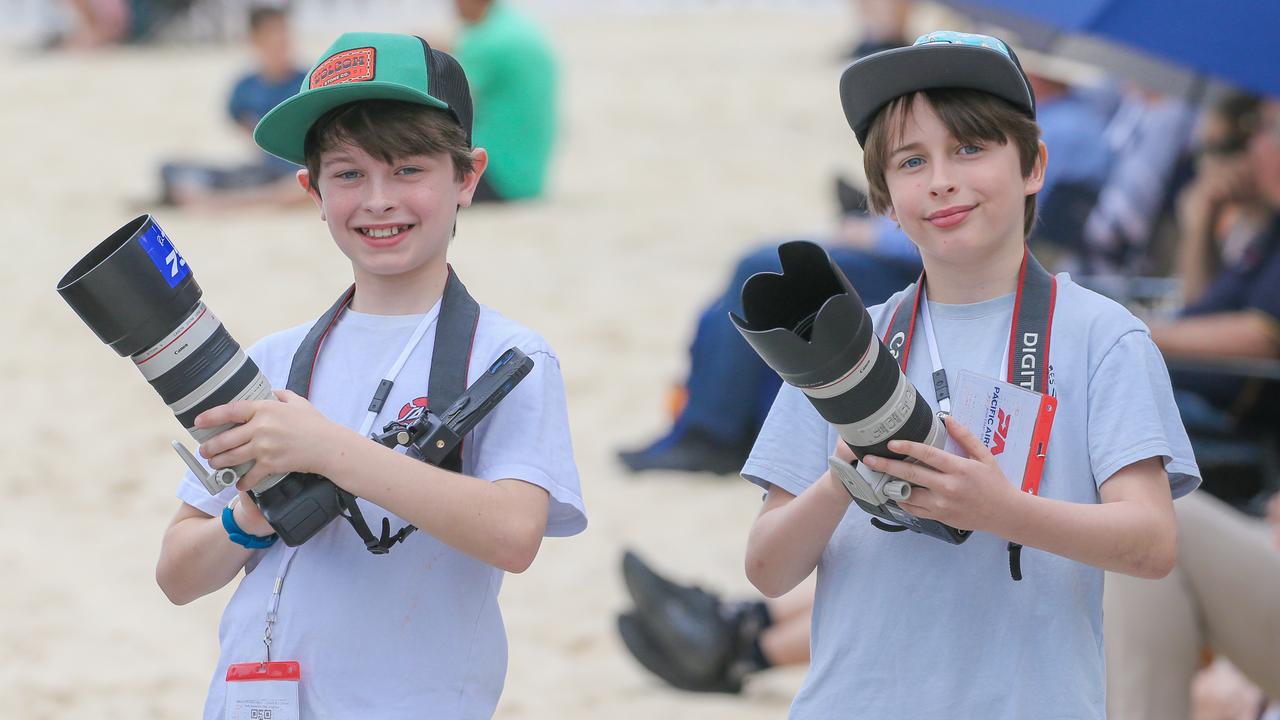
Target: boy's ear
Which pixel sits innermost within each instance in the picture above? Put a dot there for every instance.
(479, 161)
(1035, 181)
(304, 180)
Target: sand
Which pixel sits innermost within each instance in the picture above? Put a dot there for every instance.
(688, 137)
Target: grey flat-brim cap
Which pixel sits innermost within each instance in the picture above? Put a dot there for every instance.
(874, 81)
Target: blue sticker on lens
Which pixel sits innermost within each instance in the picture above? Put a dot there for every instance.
(165, 256)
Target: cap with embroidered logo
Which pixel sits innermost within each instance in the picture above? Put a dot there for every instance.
(942, 59)
(366, 66)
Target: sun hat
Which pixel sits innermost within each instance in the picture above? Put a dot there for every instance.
(366, 66)
(942, 59)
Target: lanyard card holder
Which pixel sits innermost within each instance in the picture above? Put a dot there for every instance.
(262, 691)
(1012, 421)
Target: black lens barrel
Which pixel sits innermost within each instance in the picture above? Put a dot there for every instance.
(201, 365)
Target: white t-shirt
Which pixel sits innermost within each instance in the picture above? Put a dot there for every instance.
(906, 626)
(416, 633)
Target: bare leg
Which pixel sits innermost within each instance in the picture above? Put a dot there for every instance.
(786, 641)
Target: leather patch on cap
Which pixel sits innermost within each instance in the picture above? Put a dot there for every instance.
(356, 65)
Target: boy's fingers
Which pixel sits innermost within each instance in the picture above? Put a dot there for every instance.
(918, 504)
(230, 458)
(935, 458)
(224, 441)
(913, 473)
(251, 478)
(967, 441)
(237, 413)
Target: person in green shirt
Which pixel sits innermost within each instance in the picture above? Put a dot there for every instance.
(513, 85)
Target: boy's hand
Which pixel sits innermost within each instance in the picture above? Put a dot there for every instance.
(285, 436)
(249, 517)
(970, 493)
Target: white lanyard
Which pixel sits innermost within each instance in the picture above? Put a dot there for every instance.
(944, 396)
(273, 603)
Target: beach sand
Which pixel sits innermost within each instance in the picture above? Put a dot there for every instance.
(687, 138)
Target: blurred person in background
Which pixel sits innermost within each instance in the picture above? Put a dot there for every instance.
(1223, 596)
(514, 82)
(268, 180)
(883, 25)
(729, 388)
(100, 23)
(1149, 136)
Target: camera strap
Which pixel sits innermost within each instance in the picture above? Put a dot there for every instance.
(450, 358)
(1026, 360)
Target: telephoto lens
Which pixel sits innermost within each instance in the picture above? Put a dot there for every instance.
(139, 296)
(811, 327)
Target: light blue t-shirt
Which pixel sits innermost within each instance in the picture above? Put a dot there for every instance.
(906, 626)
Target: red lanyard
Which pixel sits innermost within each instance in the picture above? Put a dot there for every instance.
(1027, 362)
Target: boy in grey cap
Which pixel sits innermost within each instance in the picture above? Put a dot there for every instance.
(905, 625)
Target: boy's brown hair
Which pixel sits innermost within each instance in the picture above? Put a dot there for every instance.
(971, 116)
(388, 130)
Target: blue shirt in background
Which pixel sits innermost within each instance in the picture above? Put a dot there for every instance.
(254, 95)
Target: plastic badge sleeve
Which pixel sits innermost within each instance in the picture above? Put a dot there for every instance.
(262, 691)
(1012, 422)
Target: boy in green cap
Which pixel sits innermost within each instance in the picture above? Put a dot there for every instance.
(382, 125)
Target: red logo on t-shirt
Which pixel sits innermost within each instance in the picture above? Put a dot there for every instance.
(347, 66)
(1002, 432)
(413, 410)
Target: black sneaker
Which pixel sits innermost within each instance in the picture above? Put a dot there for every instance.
(644, 648)
(698, 636)
(692, 451)
(851, 200)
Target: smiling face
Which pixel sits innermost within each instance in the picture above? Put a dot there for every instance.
(961, 201)
(393, 220)
(388, 178)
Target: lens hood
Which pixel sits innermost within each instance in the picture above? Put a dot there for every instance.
(807, 322)
(132, 288)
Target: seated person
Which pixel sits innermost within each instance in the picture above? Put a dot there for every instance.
(1148, 136)
(1222, 592)
(1229, 260)
(267, 180)
(730, 389)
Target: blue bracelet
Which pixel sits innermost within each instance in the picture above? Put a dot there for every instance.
(240, 537)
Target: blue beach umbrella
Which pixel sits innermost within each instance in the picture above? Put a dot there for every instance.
(1233, 41)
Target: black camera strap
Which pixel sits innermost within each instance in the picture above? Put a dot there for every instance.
(1027, 356)
(450, 358)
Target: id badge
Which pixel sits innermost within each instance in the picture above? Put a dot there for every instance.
(1012, 421)
(262, 691)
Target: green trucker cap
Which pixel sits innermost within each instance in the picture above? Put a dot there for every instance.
(366, 66)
